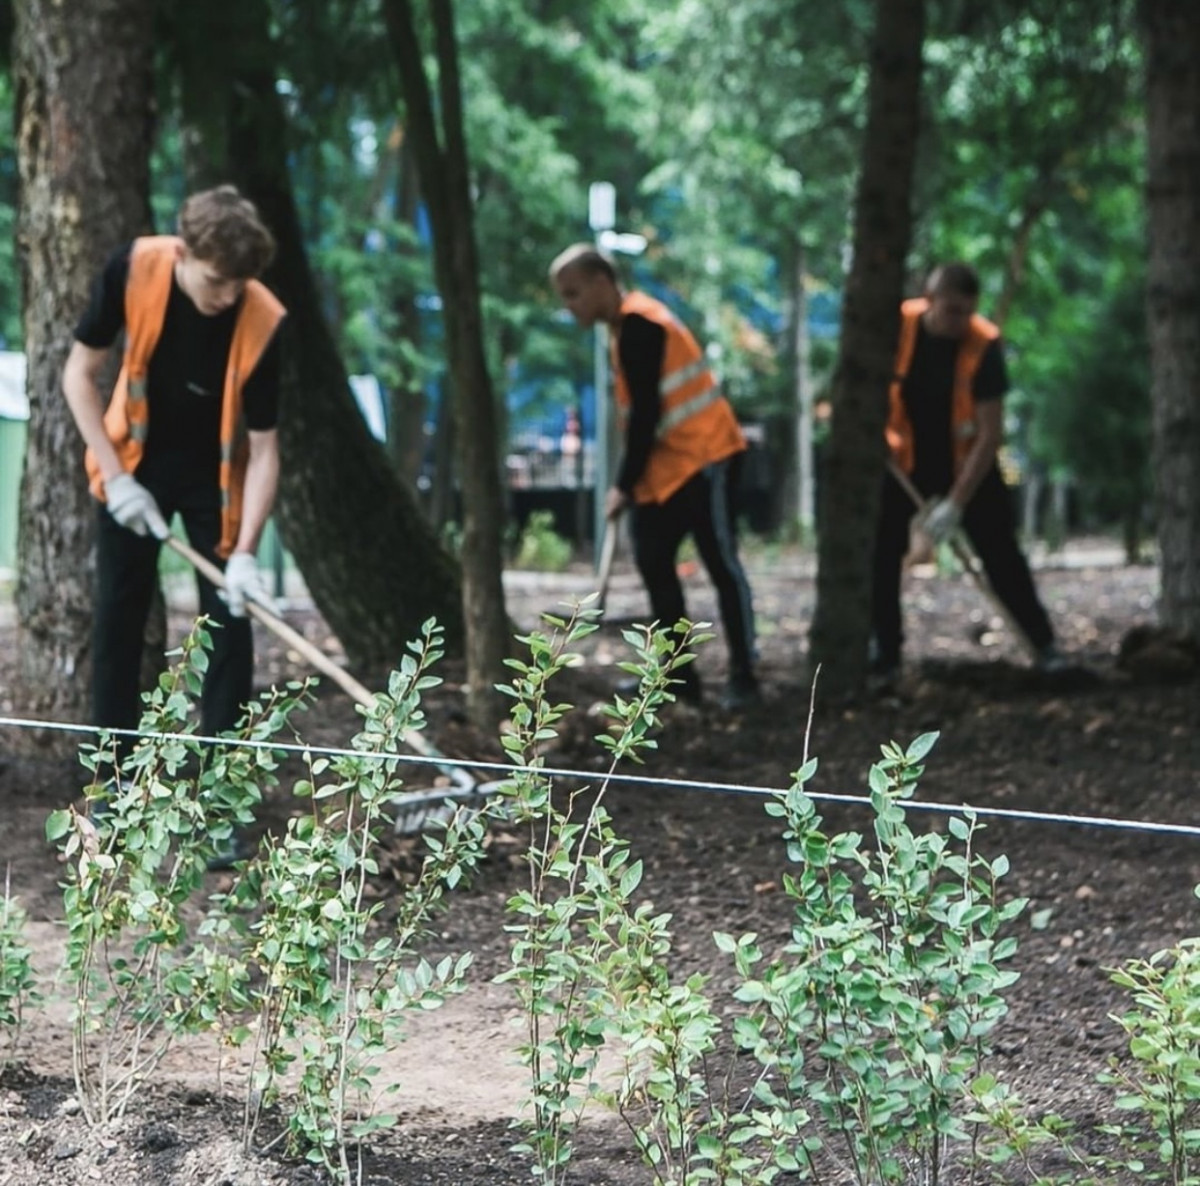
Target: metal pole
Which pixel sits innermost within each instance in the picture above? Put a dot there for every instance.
(600, 475)
(602, 217)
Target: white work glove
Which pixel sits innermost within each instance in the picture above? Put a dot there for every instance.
(243, 582)
(941, 520)
(133, 506)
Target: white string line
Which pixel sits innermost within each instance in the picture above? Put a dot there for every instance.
(727, 788)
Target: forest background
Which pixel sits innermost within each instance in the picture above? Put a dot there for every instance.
(420, 165)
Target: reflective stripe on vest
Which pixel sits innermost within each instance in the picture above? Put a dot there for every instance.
(696, 425)
(677, 379)
(687, 409)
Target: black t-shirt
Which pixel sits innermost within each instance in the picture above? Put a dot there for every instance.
(928, 394)
(641, 344)
(186, 377)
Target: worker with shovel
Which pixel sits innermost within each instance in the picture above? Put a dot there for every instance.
(943, 433)
(681, 439)
(190, 428)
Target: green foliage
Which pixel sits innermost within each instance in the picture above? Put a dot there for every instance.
(299, 944)
(1099, 426)
(541, 548)
(580, 947)
(870, 1028)
(1159, 1080)
(133, 862)
(11, 331)
(290, 958)
(18, 983)
(892, 971)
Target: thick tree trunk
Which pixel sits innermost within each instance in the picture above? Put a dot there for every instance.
(1172, 45)
(446, 185)
(870, 324)
(83, 115)
(369, 557)
(406, 400)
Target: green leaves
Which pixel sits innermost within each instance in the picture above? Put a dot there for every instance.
(18, 983)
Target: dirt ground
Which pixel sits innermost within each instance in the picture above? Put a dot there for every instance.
(1103, 741)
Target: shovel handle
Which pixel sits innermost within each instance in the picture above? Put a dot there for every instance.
(608, 551)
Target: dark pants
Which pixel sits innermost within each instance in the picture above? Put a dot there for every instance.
(703, 508)
(989, 524)
(126, 572)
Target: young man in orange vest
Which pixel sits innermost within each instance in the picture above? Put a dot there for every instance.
(681, 442)
(190, 428)
(945, 422)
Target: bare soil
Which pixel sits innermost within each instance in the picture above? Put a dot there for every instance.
(1103, 740)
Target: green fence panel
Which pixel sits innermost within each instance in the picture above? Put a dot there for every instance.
(12, 461)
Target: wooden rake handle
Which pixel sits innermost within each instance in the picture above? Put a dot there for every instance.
(969, 560)
(321, 661)
(608, 550)
(273, 622)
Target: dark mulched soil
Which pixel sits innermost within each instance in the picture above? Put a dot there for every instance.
(1100, 740)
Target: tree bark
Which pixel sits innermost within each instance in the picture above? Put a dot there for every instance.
(406, 399)
(1172, 54)
(83, 114)
(870, 325)
(804, 507)
(445, 182)
(369, 557)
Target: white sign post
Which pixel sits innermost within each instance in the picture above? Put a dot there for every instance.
(602, 218)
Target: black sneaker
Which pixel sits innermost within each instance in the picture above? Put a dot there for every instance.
(883, 673)
(686, 686)
(229, 852)
(740, 694)
(1051, 661)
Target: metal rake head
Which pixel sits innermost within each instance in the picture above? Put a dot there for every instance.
(422, 811)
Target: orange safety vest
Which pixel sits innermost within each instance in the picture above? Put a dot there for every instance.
(962, 409)
(696, 425)
(127, 419)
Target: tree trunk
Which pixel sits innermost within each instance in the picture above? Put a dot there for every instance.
(805, 505)
(1172, 52)
(1014, 271)
(442, 501)
(369, 557)
(406, 399)
(445, 183)
(870, 325)
(83, 113)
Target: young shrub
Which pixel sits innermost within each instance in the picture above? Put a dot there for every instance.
(579, 946)
(541, 548)
(325, 984)
(1159, 1079)
(132, 863)
(18, 984)
(872, 1026)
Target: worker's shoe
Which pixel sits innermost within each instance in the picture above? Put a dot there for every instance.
(1051, 661)
(883, 672)
(686, 686)
(741, 693)
(228, 852)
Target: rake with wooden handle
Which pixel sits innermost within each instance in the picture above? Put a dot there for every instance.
(966, 556)
(416, 811)
(608, 551)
